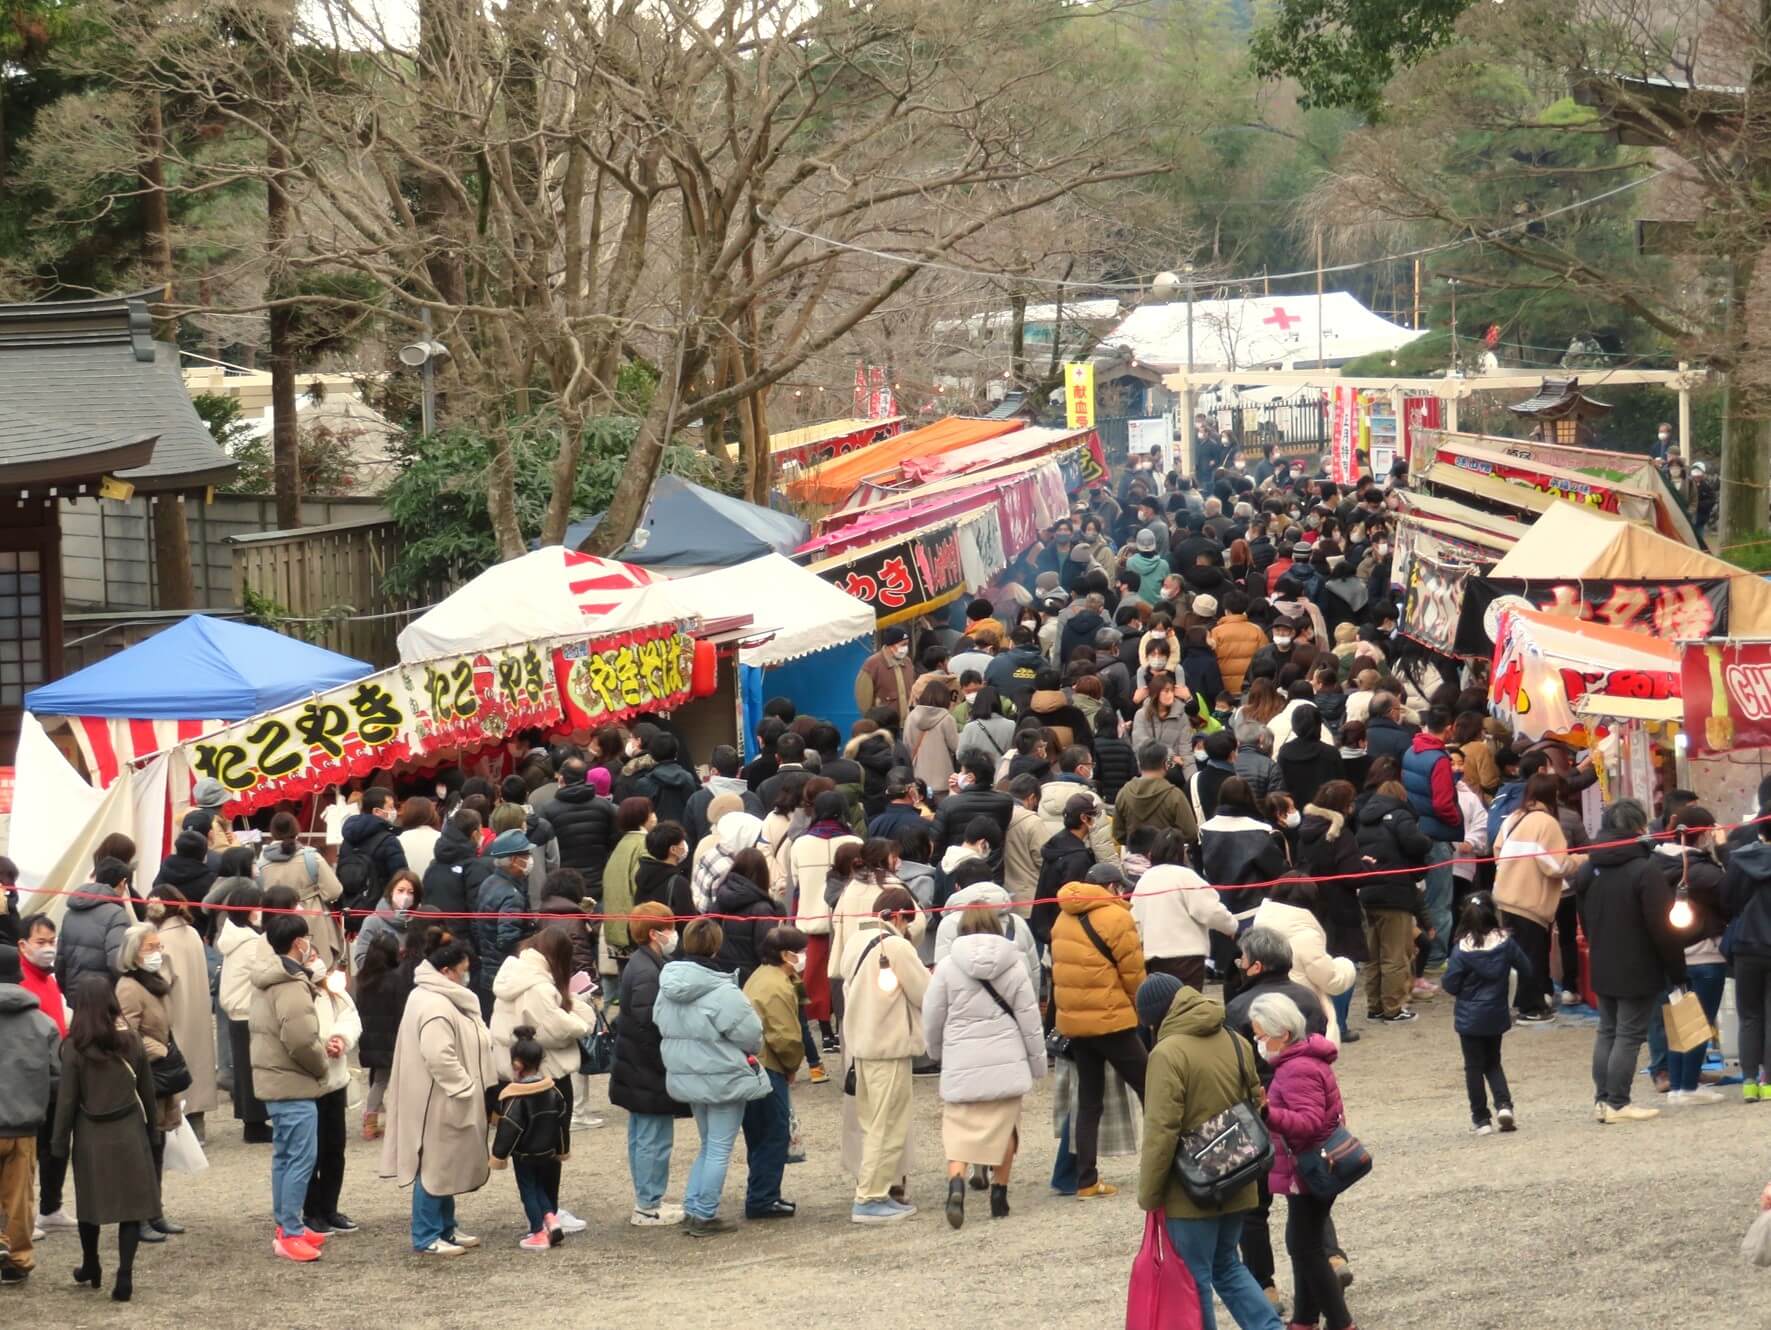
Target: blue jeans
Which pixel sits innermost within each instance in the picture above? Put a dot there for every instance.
(1064, 1178)
(814, 1049)
(718, 1125)
(532, 1191)
(1706, 981)
(295, 1145)
(433, 1217)
(649, 1138)
(767, 1125)
(1208, 1246)
(1343, 1007)
(1440, 885)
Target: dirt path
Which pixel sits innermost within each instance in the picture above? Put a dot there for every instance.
(1564, 1224)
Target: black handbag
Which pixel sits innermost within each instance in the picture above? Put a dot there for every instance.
(596, 1048)
(1333, 1166)
(171, 1073)
(1058, 1045)
(1226, 1152)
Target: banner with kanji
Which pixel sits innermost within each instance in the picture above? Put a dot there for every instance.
(1079, 395)
(1343, 463)
(605, 680)
(1670, 609)
(904, 577)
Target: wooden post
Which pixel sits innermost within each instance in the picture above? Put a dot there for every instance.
(172, 554)
(1685, 421)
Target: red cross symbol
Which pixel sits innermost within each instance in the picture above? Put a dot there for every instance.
(1283, 319)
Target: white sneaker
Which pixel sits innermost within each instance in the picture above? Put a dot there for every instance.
(569, 1222)
(588, 1121)
(1483, 1129)
(58, 1220)
(1628, 1113)
(441, 1248)
(1571, 999)
(1701, 1095)
(665, 1216)
(463, 1240)
(1507, 1119)
(37, 1233)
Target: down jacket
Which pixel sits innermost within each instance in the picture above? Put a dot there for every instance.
(243, 950)
(1392, 839)
(288, 1055)
(1328, 850)
(988, 893)
(985, 1052)
(452, 882)
(637, 1082)
(1477, 978)
(91, 937)
(523, 993)
(1303, 1107)
(495, 937)
(1095, 995)
(1176, 912)
(1311, 965)
(711, 1035)
(1060, 790)
(584, 826)
(746, 916)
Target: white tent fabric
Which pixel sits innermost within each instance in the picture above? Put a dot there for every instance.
(1258, 332)
(548, 593)
(58, 820)
(806, 613)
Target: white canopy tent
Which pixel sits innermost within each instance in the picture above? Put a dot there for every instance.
(551, 592)
(1258, 332)
(803, 612)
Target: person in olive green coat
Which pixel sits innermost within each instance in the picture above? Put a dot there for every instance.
(1197, 1070)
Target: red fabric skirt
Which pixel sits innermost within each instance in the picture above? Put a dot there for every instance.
(816, 977)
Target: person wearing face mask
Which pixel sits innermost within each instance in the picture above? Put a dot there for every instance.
(143, 987)
(402, 895)
(885, 677)
(341, 1030)
(1664, 447)
(503, 900)
(243, 950)
(290, 1059)
(774, 991)
(193, 1015)
(436, 1131)
(637, 1081)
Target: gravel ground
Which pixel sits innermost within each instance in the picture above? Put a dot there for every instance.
(1565, 1223)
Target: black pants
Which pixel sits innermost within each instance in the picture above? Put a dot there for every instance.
(1534, 940)
(1257, 1242)
(52, 1173)
(247, 1107)
(1482, 1069)
(327, 1183)
(1568, 943)
(1190, 970)
(547, 1171)
(1315, 1288)
(1124, 1052)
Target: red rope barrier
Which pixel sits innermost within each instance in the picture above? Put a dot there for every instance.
(589, 917)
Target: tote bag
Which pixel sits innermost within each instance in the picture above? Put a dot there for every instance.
(1162, 1295)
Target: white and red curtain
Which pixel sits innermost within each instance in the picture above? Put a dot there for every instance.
(110, 743)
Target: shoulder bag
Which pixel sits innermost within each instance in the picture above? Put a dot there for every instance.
(596, 1047)
(848, 1080)
(1227, 1151)
(1058, 1045)
(171, 1074)
(1334, 1165)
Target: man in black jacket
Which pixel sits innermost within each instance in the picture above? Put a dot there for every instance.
(371, 853)
(1064, 859)
(1385, 734)
(583, 824)
(976, 798)
(1013, 672)
(452, 882)
(1634, 953)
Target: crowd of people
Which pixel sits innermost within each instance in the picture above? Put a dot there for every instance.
(1142, 814)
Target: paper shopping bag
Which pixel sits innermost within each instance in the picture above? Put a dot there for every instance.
(1686, 1025)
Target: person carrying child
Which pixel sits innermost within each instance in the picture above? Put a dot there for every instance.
(1482, 956)
(534, 1135)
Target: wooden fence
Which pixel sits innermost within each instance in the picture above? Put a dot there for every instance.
(336, 577)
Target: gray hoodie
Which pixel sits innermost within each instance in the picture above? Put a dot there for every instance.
(30, 1050)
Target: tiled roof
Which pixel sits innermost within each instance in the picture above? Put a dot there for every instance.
(37, 452)
(92, 367)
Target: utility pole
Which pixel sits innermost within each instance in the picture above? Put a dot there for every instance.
(1188, 397)
(1321, 360)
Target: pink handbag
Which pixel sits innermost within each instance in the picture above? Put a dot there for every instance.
(1162, 1295)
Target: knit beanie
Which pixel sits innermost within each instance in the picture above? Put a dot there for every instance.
(1155, 996)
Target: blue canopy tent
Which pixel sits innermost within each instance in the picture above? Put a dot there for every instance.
(688, 526)
(214, 669)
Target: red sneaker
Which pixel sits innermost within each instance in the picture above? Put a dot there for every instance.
(307, 1236)
(550, 1227)
(293, 1249)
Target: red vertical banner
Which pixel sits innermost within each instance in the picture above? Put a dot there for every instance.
(1343, 466)
(876, 402)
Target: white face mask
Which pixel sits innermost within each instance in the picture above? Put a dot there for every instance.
(1270, 1048)
(1382, 550)
(152, 963)
(1291, 819)
(1281, 640)
(798, 958)
(42, 957)
(402, 901)
(666, 941)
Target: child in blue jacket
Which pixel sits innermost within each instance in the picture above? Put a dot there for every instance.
(1482, 957)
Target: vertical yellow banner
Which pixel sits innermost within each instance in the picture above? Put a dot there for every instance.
(1079, 395)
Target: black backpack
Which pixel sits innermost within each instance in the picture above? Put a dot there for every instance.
(360, 875)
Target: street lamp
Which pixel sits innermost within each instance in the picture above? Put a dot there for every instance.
(423, 357)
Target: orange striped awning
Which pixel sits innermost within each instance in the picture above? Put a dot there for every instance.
(836, 479)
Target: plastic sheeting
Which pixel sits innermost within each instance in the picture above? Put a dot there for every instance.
(820, 685)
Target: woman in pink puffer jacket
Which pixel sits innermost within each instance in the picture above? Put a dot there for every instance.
(1303, 1107)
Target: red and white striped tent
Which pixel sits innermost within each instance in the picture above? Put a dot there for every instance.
(551, 592)
(110, 743)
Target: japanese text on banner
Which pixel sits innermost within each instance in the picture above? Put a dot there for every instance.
(605, 680)
(1079, 395)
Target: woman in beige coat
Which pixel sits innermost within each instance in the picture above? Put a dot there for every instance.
(143, 987)
(1534, 863)
(1289, 910)
(193, 1015)
(436, 1100)
(243, 949)
(287, 863)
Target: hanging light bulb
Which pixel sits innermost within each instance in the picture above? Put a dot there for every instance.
(1681, 916)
